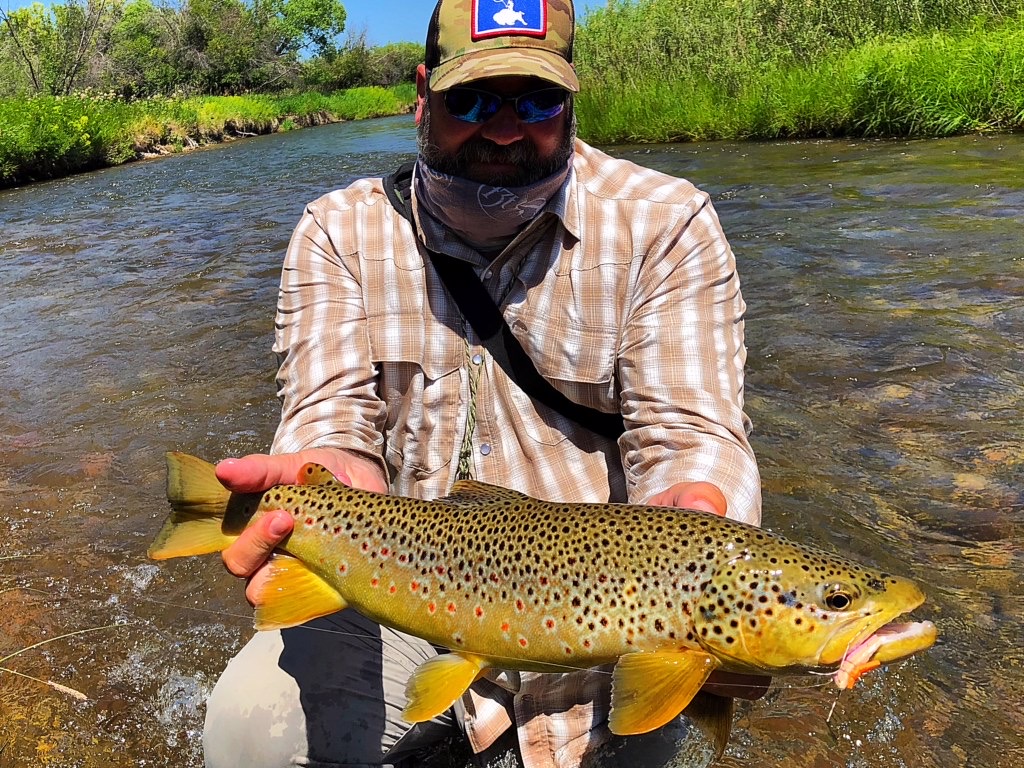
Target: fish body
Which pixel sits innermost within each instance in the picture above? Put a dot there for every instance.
(508, 581)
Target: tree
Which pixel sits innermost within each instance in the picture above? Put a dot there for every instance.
(142, 46)
(53, 47)
(291, 26)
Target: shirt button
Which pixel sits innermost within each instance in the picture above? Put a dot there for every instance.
(477, 359)
(488, 274)
(485, 449)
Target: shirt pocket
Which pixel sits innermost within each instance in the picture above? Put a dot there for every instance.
(579, 361)
(419, 362)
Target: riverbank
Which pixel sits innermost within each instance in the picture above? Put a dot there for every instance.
(937, 83)
(47, 137)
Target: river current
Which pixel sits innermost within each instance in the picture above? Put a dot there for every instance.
(885, 331)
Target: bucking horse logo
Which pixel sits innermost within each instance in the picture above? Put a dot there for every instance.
(509, 16)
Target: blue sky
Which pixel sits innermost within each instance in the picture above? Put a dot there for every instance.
(394, 21)
(384, 21)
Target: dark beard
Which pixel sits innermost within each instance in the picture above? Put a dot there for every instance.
(530, 167)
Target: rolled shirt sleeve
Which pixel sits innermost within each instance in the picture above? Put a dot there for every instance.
(327, 380)
(681, 368)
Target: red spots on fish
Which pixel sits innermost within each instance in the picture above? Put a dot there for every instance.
(342, 568)
(451, 608)
(549, 624)
(414, 586)
(374, 582)
(431, 608)
(309, 521)
(384, 551)
(403, 558)
(505, 626)
(366, 546)
(392, 589)
(568, 650)
(520, 605)
(441, 570)
(543, 581)
(523, 641)
(587, 644)
(479, 611)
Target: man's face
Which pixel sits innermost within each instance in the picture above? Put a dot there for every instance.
(502, 151)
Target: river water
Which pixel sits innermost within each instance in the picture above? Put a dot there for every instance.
(885, 281)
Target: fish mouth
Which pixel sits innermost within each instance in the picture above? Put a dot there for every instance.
(891, 642)
(878, 617)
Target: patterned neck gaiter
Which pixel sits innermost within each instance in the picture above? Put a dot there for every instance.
(485, 217)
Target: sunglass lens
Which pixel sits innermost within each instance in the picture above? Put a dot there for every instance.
(540, 105)
(470, 105)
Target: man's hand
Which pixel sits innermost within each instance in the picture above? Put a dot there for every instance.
(709, 498)
(258, 472)
(706, 497)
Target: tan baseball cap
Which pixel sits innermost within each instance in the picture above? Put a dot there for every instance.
(474, 39)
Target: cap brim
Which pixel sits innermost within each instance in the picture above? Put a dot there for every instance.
(505, 62)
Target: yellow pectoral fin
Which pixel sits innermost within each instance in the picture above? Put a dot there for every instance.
(649, 689)
(292, 594)
(437, 683)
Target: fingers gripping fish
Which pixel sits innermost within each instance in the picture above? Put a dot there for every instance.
(507, 581)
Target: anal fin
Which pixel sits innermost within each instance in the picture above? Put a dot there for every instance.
(650, 689)
(292, 594)
(437, 683)
(713, 715)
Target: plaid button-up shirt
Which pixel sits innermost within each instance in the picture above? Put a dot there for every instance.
(624, 293)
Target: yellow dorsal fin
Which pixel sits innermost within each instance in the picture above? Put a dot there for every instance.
(315, 474)
(437, 683)
(475, 492)
(649, 689)
(291, 594)
(713, 715)
(198, 502)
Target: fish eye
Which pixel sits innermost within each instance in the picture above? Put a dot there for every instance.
(838, 598)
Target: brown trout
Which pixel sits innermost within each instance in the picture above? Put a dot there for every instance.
(507, 581)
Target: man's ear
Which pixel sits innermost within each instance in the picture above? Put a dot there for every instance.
(421, 90)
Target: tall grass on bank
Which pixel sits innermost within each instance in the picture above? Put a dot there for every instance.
(932, 83)
(47, 137)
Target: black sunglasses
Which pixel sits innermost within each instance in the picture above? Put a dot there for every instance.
(472, 105)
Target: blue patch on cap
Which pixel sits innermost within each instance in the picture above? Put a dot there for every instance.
(509, 17)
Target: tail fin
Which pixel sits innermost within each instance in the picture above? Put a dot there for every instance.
(198, 503)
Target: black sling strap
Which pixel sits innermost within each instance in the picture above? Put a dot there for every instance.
(484, 316)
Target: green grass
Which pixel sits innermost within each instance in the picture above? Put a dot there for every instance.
(932, 83)
(47, 137)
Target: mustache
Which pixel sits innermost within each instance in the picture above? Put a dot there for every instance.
(482, 151)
